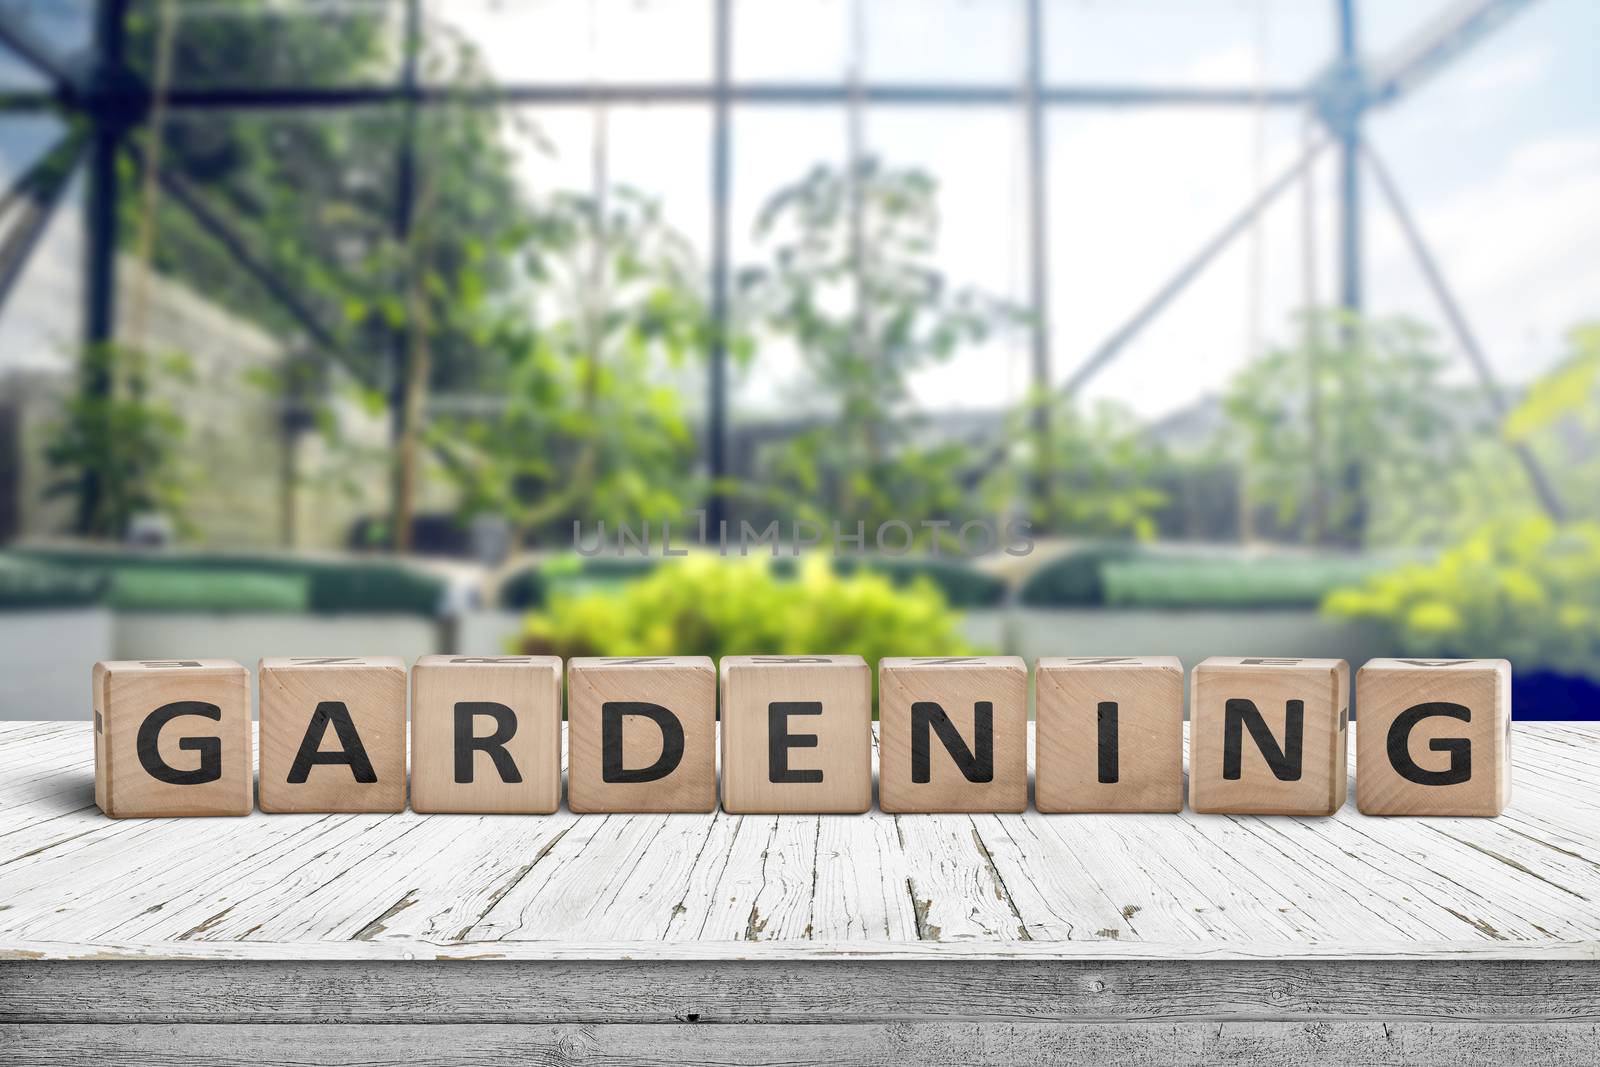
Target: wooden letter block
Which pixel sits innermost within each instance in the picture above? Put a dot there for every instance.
(1110, 734)
(333, 733)
(796, 734)
(486, 734)
(172, 737)
(953, 733)
(1269, 736)
(642, 733)
(1433, 737)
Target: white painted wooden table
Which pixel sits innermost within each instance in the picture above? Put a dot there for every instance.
(411, 939)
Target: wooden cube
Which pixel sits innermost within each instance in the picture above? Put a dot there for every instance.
(796, 734)
(1109, 734)
(952, 733)
(642, 733)
(486, 734)
(172, 737)
(333, 733)
(1433, 737)
(1269, 736)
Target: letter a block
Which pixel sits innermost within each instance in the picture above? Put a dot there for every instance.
(953, 733)
(172, 737)
(642, 733)
(333, 733)
(486, 734)
(1269, 736)
(1433, 737)
(796, 734)
(1110, 734)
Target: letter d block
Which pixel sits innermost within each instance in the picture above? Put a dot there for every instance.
(1433, 737)
(333, 733)
(172, 737)
(952, 733)
(486, 734)
(796, 734)
(1110, 734)
(1269, 736)
(642, 733)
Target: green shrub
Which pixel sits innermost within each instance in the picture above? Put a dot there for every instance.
(26, 584)
(1525, 589)
(203, 589)
(708, 607)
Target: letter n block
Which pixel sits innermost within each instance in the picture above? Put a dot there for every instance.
(642, 733)
(172, 737)
(796, 734)
(1110, 734)
(486, 734)
(952, 733)
(1433, 737)
(1269, 736)
(333, 733)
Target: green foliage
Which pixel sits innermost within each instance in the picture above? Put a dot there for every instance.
(1354, 414)
(1525, 589)
(710, 607)
(1568, 392)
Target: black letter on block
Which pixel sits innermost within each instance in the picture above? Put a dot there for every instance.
(1109, 761)
(780, 741)
(928, 716)
(505, 727)
(352, 753)
(1285, 761)
(611, 715)
(210, 748)
(1460, 748)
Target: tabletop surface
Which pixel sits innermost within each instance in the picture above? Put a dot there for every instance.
(76, 885)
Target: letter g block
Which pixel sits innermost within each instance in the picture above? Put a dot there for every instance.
(641, 733)
(1433, 737)
(172, 737)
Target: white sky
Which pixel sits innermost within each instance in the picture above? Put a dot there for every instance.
(1499, 157)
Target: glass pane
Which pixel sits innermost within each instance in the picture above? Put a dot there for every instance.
(943, 40)
(573, 42)
(797, 40)
(42, 320)
(59, 27)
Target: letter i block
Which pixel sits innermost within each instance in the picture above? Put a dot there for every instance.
(1269, 736)
(486, 734)
(1433, 737)
(333, 733)
(1110, 734)
(796, 734)
(172, 737)
(953, 733)
(642, 733)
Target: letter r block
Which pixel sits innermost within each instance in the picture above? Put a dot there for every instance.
(641, 734)
(796, 734)
(172, 737)
(1433, 737)
(953, 734)
(1269, 736)
(486, 734)
(333, 733)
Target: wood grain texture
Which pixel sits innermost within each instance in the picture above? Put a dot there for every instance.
(955, 689)
(197, 714)
(297, 695)
(1425, 723)
(826, 763)
(525, 688)
(1304, 707)
(683, 688)
(1142, 697)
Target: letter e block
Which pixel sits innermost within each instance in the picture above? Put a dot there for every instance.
(642, 733)
(953, 734)
(1110, 734)
(1269, 736)
(172, 737)
(796, 734)
(1433, 737)
(333, 733)
(486, 734)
